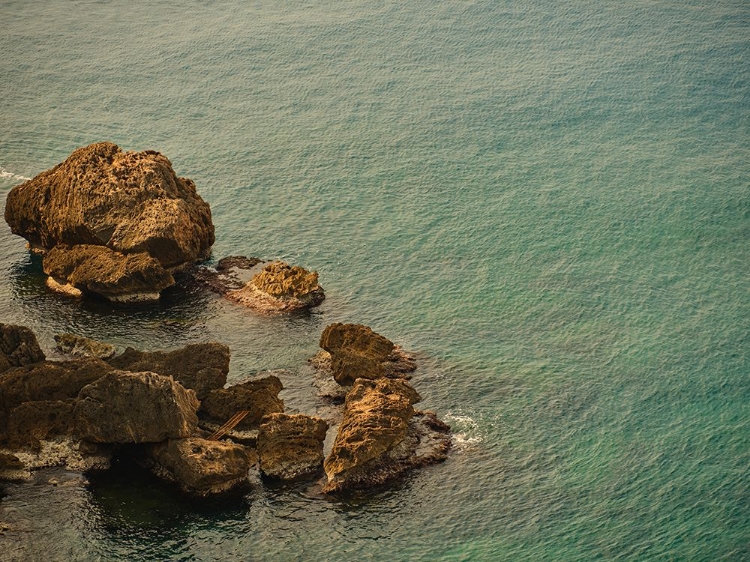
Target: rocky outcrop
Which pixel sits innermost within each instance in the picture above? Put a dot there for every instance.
(376, 420)
(279, 287)
(31, 422)
(131, 202)
(201, 467)
(18, 347)
(358, 352)
(259, 397)
(126, 407)
(46, 380)
(201, 367)
(79, 346)
(86, 268)
(290, 446)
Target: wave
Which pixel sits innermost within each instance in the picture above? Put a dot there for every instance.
(6, 175)
(465, 429)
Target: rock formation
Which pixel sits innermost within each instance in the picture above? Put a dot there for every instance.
(31, 422)
(201, 367)
(79, 346)
(358, 352)
(85, 268)
(279, 287)
(135, 408)
(259, 397)
(18, 347)
(201, 467)
(290, 446)
(130, 202)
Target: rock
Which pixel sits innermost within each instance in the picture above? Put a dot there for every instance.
(31, 422)
(231, 273)
(290, 446)
(47, 380)
(87, 268)
(201, 467)
(131, 202)
(358, 352)
(279, 287)
(259, 397)
(9, 461)
(202, 367)
(83, 347)
(126, 407)
(18, 347)
(376, 420)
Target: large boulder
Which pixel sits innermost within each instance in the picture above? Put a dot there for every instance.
(47, 380)
(280, 287)
(124, 407)
(131, 202)
(259, 397)
(202, 367)
(18, 347)
(376, 420)
(201, 467)
(86, 268)
(80, 346)
(354, 351)
(290, 446)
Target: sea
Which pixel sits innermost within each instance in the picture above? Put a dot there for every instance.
(547, 202)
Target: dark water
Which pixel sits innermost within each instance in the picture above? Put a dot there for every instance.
(548, 201)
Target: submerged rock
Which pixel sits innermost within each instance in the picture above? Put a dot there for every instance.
(83, 347)
(260, 397)
(124, 407)
(131, 202)
(86, 268)
(279, 287)
(201, 467)
(290, 446)
(201, 367)
(18, 347)
(358, 352)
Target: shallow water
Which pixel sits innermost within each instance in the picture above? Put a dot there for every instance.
(548, 201)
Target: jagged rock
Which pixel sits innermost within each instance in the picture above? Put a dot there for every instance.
(358, 352)
(47, 380)
(202, 367)
(124, 407)
(279, 287)
(290, 446)
(231, 273)
(376, 420)
(131, 202)
(18, 347)
(201, 467)
(83, 347)
(31, 422)
(259, 397)
(87, 268)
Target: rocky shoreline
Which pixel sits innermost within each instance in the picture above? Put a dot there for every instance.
(122, 226)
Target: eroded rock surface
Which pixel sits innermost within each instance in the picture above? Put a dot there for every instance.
(202, 367)
(201, 467)
(290, 446)
(79, 346)
(260, 397)
(124, 407)
(31, 422)
(280, 287)
(18, 347)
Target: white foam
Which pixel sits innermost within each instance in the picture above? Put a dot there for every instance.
(465, 429)
(6, 175)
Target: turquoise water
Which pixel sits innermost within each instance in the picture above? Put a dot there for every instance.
(547, 200)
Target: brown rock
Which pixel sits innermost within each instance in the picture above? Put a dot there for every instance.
(47, 380)
(358, 352)
(376, 418)
(126, 407)
(131, 202)
(202, 367)
(83, 347)
(201, 467)
(290, 446)
(18, 347)
(259, 397)
(279, 287)
(31, 422)
(86, 268)
(9, 461)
